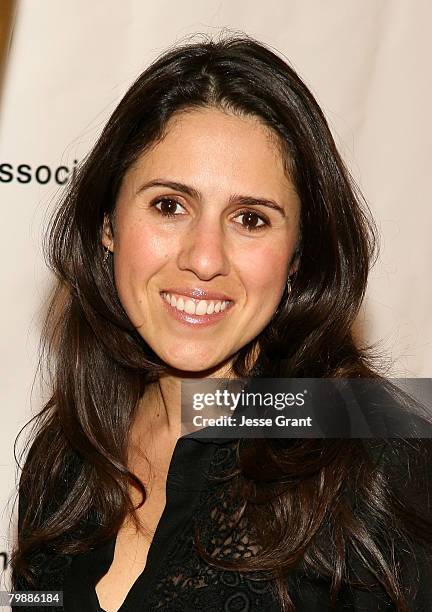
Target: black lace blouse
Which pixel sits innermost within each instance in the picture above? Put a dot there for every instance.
(176, 579)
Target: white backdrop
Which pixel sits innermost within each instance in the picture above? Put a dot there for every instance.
(368, 63)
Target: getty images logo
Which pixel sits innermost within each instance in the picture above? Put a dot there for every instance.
(43, 174)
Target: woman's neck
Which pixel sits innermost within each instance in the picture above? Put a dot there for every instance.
(159, 411)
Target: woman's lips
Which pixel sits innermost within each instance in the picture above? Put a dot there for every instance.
(196, 319)
(198, 293)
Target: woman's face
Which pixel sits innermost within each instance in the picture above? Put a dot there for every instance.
(189, 220)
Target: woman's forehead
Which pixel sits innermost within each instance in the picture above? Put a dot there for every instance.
(216, 150)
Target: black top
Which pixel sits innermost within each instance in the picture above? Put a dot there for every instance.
(176, 579)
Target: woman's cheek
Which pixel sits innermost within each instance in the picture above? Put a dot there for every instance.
(265, 271)
(143, 249)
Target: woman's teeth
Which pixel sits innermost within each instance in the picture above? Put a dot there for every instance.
(201, 307)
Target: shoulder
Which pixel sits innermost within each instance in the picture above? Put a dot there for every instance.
(389, 408)
(406, 462)
(399, 482)
(43, 505)
(398, 514)
(44, 560)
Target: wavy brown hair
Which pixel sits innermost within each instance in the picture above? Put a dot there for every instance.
(99, 365)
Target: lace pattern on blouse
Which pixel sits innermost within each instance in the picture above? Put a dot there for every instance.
(188, 582)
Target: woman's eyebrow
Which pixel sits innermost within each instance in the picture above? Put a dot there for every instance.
(194, 193)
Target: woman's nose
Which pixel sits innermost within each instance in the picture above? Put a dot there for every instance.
(203, 250)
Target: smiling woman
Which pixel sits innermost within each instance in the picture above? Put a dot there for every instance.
(213, 231)
(187, 245)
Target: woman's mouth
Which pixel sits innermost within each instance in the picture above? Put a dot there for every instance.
(195, 311)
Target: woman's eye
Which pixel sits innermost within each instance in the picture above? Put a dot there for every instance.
(168, 206)
(251, 220)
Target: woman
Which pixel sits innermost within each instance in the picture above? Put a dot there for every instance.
(213, 231)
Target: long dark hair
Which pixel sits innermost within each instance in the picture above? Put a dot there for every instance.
(100, 366)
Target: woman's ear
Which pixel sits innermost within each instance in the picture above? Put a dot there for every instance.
(295, 259)
(107, 233)
(294, 264)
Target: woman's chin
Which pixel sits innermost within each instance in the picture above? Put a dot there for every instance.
(191, 366)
